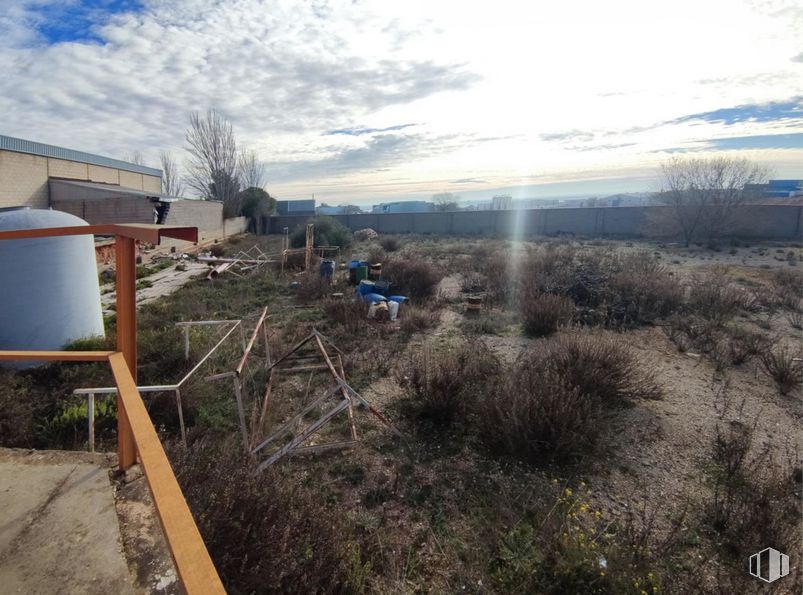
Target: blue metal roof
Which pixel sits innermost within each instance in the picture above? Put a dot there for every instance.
(9, 143)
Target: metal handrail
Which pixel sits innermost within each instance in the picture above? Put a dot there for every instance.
(135, 432)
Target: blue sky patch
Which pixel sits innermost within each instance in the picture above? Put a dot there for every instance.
(759, 112)
(360, 130)
(760, 141)
(77, 21)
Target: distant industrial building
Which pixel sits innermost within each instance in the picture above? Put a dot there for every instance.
(408, 206)
(296, 207)
(777, 189)
(502, 202)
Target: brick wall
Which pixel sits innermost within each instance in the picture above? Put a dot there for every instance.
(207, 216)
(151, 183)
(23, 180)
(130, 180)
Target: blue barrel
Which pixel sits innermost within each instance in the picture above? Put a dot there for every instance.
(373, 298)
(398, 298)
(366, 287)
(327, 268)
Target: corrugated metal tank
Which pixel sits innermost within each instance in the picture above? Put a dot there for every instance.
(49, 294)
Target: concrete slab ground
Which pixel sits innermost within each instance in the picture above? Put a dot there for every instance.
(58, 525)
(60, 531)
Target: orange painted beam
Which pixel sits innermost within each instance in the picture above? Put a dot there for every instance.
(126, 313)
(59, 356)
(150, 233)
(194, 566)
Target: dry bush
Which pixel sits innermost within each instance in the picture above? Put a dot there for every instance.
(608, 288)
(417, 279)
(442, 386)
(313, 286)
(743, 345)
(350, 314)
(544, 313)
(390, 244)
(217, 250)
(376, 254)
(554, 399)
(265, 532)
(787, 281)
(785, 367)
(795, 319)
(753, 499)
(715, 297)
(415, 319)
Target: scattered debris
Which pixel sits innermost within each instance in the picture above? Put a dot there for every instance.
(364, 235)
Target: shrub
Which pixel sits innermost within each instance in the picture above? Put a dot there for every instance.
(217, 250)
(265, 532)
(743, 345)
(390, 244)
(752, 498)
(416, 279)
(327, 232)
(350, 314)
(376, 255)
(786, 280)
(442, 386)
(554, 399)
(714, 297)
(414, 319)
(544, 313)
(785, 367)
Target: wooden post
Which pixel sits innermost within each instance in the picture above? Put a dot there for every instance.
(186, 330)
(90, 413)
(125, 250)
(308, 246)
(181, 417)
(238, 394)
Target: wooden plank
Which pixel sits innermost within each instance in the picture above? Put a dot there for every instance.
(90, 414)
(300, 369)
(293, 350)
(144, 232)
(63, 356)
(318, 448)
(238, 395)
(351, 408)
(192, 561)
(126, 316)
(250, 344)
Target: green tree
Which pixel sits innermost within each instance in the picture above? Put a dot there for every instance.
(255, 204)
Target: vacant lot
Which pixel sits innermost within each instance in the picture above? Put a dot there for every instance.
(618, 417)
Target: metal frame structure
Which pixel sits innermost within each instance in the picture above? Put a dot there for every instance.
(174, 388)
(136, 436)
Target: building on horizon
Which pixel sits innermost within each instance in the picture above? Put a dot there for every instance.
(777, 189)
(305, 207)
(502, 202)
(410, 206)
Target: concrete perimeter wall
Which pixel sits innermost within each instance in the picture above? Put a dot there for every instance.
(758, 221)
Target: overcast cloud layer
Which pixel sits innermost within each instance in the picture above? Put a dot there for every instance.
(361, 101)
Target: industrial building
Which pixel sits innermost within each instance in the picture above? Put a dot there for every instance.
(99, 189)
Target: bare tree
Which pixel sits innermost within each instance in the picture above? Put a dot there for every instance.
(706, 196)
(252, 170)
(445, 201)
(172, 184)
(136, 158)
(212, 164)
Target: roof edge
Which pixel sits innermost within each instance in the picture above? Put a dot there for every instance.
(19, 145)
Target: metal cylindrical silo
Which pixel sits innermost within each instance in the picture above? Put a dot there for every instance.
(49, 294)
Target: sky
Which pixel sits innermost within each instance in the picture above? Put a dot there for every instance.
(368, 101)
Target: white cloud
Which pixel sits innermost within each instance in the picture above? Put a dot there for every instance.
(500, 92)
